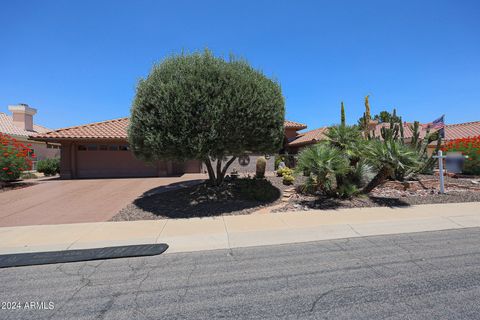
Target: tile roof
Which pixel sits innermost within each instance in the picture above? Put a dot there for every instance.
(452, 131)
(294, 125)
(110, 129)
(407, 131)
(462, 130)
(7, 126)
(309, 137)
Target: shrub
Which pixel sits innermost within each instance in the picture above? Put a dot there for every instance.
(260, 167)
(49, 167)
(288, 179)
(468, 147)
(327, 166)
(14, 158)
(284, 171)
(256, 190)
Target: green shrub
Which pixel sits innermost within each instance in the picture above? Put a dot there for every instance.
(260, 167)
(49, 167)
(284, 171)
(288, 179)
(256, 190)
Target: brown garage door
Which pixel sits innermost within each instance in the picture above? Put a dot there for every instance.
(110, 161)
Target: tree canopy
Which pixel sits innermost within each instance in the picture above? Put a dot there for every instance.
(198, 106)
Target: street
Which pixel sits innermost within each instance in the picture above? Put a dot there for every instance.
(429, 275)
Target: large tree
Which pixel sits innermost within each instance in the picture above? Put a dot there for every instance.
(199, 106)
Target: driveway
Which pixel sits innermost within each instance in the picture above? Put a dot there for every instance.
(74, 201)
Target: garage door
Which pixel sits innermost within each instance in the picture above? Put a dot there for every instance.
(110, 161)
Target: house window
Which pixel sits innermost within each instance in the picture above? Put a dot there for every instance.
(123, 148)
(103, 147)
(82, 147)
(92, 147)
(113, 147)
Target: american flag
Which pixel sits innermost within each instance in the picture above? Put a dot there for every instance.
(438, 124)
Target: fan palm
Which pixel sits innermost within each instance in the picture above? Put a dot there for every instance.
(346, 138)
(324, 164)
(387, 157)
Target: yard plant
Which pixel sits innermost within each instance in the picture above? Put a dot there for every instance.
(198, 106)
(49, 167)
(15, 157)
(469, 147)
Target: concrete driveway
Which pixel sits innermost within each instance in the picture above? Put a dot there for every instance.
(74, 201)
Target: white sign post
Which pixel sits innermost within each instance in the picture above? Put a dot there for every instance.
(440, 158)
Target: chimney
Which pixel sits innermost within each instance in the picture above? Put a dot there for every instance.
(22, 116)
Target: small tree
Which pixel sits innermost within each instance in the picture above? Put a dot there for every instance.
(202, 107)
(14, 158)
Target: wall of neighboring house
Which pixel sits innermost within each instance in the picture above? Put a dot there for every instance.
(247, 165)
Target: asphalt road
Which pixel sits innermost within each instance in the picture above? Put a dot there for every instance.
(431, 275)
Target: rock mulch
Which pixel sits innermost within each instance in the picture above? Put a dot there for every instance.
(199, 201)
(394, 194)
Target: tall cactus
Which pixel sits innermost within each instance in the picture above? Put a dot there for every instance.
(261, 165)
(342, 115)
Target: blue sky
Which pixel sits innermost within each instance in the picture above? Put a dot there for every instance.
(79, 61)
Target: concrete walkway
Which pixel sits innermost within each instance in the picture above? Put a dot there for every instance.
(183, 235)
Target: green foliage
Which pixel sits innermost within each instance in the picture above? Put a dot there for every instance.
(288, 179)
(49, 167)
(326, 165)
(260, 167)
(386, 157)
(342, 115)
(199, 106)
(284, 171)
(346, 138)
(256, 190)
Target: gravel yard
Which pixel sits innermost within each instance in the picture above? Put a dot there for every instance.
(200, 201)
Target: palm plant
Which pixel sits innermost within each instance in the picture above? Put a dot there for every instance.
(386, 157)
(347, 139)
(325, 164)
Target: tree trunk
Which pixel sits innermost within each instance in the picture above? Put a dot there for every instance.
(211, 173)
(217, 178)
(381, 176)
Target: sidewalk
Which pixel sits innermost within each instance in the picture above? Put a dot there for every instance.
(183, 235)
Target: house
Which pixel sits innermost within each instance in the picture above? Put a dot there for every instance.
(101, 150)
(20, 125)
(452, 132)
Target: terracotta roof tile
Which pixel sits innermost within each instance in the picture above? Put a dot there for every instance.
(7, 126)
(309, 137)
(462, 130)
(110, 129)
(294, 125)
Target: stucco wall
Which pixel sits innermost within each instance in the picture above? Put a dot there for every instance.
(250, 168)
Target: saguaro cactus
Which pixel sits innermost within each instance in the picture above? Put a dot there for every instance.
(342, 115)
(260, 167)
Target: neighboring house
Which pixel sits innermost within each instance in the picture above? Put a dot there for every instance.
(20, 125)
(452, 132)
(100, 150)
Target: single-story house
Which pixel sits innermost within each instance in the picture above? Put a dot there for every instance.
(20, 126)
(101, 150)
(452, 132)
